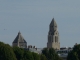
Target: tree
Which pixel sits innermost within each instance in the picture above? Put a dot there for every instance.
(6, 52)
(50, 54)
(75, 53)
(28, 55)
(18, 52)
(43, 57)
(45, 52)
(36, 56)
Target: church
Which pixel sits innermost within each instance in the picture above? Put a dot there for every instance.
(52, 42)
(53, 38)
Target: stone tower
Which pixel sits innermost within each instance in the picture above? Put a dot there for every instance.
(19, 41)
(53, 36)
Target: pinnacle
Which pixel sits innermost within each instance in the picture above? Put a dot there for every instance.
(19, 32)
(53, 22)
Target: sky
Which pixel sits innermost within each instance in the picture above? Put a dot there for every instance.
(32, 19)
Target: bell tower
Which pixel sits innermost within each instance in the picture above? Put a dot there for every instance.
(53, 36)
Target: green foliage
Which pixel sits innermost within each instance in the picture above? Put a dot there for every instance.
(43, 57)
(6, 52)
(28, 55)
(50, 54)
(45, 52)
(18, 52)
(75, 53)
(36, 56)
(22, 54)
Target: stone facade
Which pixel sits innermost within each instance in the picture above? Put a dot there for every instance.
(53, 36)
(19, 41)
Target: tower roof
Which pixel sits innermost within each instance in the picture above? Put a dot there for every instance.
(19, 38)
(53, 22)
(53, 25)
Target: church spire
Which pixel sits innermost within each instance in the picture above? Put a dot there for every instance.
(53, 25)
(19, 32)
(53, 22)
(53, 36)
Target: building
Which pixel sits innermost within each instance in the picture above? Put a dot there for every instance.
(53, 42)
(19, 41)
(63, 52)
(53, 36)
(34, 49)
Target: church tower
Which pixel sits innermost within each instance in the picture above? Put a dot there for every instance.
(53, 36)
(19, 41)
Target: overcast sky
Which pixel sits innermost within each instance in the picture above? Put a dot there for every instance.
(32, 19)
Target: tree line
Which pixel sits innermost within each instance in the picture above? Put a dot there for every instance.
(15, 53)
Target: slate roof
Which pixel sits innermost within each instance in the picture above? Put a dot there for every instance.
(53, 22)
(19, 38)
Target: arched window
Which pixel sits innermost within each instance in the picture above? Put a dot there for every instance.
(56, 39)
(49, 39)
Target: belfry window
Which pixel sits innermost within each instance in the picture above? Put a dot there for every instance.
(56, 39)
(51, 26)
(49, 39)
